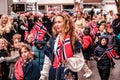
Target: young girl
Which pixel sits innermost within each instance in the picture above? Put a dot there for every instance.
(26, 68)
(13, 53)
(103, 62)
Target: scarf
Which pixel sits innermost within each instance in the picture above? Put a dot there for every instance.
(62, 50)
(19, 75)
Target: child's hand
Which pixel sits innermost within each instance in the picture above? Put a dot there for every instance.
(99, 58)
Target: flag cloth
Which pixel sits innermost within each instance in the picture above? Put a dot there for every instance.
(94, 29)
(63, 50)
(111, 53)
(26, 33)
(38, 31)
(18, 71)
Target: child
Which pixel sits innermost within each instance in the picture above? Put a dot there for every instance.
(13, 53)
(87, 46)
(26, 68)
(103, 62)
(39, 52)
(111, 37)
(101, 31)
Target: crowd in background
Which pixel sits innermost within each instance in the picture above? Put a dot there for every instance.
(25, 42)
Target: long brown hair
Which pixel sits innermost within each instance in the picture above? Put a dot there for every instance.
(69, 28)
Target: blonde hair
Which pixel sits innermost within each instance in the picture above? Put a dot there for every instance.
(5, 28)
(5, 42)
(22, 16)
(68, 28)
(16, 36)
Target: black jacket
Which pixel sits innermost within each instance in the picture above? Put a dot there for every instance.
(104, 62)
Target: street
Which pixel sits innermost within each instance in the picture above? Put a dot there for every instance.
(115, 72)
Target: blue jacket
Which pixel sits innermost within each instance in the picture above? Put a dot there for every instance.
(38, 56)
(31, 71)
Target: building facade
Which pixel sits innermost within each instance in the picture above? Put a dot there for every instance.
(5, 6)
(58, 5)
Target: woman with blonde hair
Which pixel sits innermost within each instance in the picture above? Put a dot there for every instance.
(4, 71)
(6, 30)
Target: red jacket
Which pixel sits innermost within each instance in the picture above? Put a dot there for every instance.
(86, 41)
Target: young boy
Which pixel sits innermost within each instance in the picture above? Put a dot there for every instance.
(103, 62)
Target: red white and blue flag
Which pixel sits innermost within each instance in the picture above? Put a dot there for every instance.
(63, 51)
(111, 53)
(38, 31)
(26, 33)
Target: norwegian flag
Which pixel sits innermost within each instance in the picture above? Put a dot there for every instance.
(57, 56)
(63, 51)
(39, 26)
(67, 48)
(111, 53)
(38, 31)
(26, 33)
(94, 29)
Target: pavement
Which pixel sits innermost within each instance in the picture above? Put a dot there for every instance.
(114, 75)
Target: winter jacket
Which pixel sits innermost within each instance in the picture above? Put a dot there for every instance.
(99, 51)
(38, 56)
(87, 46)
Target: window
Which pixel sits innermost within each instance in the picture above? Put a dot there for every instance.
(68, 6)
(41, 7)
(18, 7)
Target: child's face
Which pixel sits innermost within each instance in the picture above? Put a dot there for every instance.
(30, 39)
(16, 43)
(24, 53)
(2, 45)
(109, 30)
(103, 42)
(101, 28)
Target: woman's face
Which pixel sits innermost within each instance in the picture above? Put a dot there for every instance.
(103, 42)
(2, 44)
(24, 53)
(79, 14)
(4, 19)
(59, 24)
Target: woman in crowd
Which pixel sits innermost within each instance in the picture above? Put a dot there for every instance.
(4, 71)
(80, 23)
(22, 26)
(26, 68)
(60, 51)
(6, 30)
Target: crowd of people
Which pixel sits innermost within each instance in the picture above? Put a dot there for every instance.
(57, 45)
